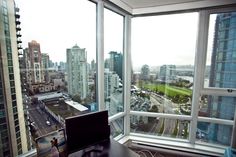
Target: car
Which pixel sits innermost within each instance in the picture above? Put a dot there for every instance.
(48, 123)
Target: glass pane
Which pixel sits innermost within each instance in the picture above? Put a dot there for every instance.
(163, 63)
(58, 65)
(217, 107)
(221, 53)
(113, 53)
(214, 133)
(117, 127)
(160, 126)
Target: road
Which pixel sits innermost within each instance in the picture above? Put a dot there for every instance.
(165, 106)
(39, 118)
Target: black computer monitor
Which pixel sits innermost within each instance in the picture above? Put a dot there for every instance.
(86, 130)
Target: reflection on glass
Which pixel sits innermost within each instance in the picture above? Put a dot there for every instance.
(163, 63)
(214, 133)
(160, 126)
(113, 74)
(117, 127)
(217, 107)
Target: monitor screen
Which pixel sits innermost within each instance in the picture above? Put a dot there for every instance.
(86, 130)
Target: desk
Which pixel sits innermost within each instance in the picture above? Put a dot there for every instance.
(111, 148)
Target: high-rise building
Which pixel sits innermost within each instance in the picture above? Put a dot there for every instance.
(13, 140)
(113, 98)
(111, 82)
(223, 74)
(93, 66)
(115, 63)
(167, 72)
(62, 66)
(145, 72)
(77, 71)
(45, 66)
(34, 60)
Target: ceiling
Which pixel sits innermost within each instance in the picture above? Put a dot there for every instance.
(139, 7)
(134, 4)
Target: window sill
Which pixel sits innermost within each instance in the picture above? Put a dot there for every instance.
(169, 145)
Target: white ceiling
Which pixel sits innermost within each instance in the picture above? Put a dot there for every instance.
(134, 4)
(137, 7)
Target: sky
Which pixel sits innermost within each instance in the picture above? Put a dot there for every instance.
(57, 25)
(156, 40)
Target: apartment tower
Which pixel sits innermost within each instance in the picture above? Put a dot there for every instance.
(13, 140)
(115, 63)
(45, 65)
(223, 74)
(35, 62)
(77, 71)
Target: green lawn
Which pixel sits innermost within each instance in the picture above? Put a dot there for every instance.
(168, 90)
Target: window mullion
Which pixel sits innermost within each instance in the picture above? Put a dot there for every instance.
(200, 59)
(100, 55)
(219, 92)
(127, 72)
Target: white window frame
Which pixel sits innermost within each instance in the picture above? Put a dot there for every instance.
(198, 90)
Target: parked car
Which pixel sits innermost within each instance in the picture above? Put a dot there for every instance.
(48, 123)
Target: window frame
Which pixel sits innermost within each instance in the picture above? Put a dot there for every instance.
(198, 90)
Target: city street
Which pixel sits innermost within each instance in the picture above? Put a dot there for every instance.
(39, 118)
(164, 106)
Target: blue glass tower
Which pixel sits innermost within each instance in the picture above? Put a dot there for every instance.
(223, 75)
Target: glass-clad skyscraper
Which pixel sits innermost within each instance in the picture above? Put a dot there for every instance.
(223, 74)
(13, 140)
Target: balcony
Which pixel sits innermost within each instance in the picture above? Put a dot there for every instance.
(17, 9)
(17, 16)
(19, 41)
(18, 28)
(18, 35)
(19, 47)
(20, 54)
(18, 22)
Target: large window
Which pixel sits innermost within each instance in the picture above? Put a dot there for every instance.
(59, 62)
(163, 52)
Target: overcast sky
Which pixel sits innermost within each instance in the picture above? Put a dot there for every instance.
(156, 40)
(58, 25)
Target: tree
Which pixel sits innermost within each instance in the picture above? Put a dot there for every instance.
(87, 100)
(140, 83)
(154, 108)
(76, 98)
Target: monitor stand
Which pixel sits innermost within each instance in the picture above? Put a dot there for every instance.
(96, 149)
